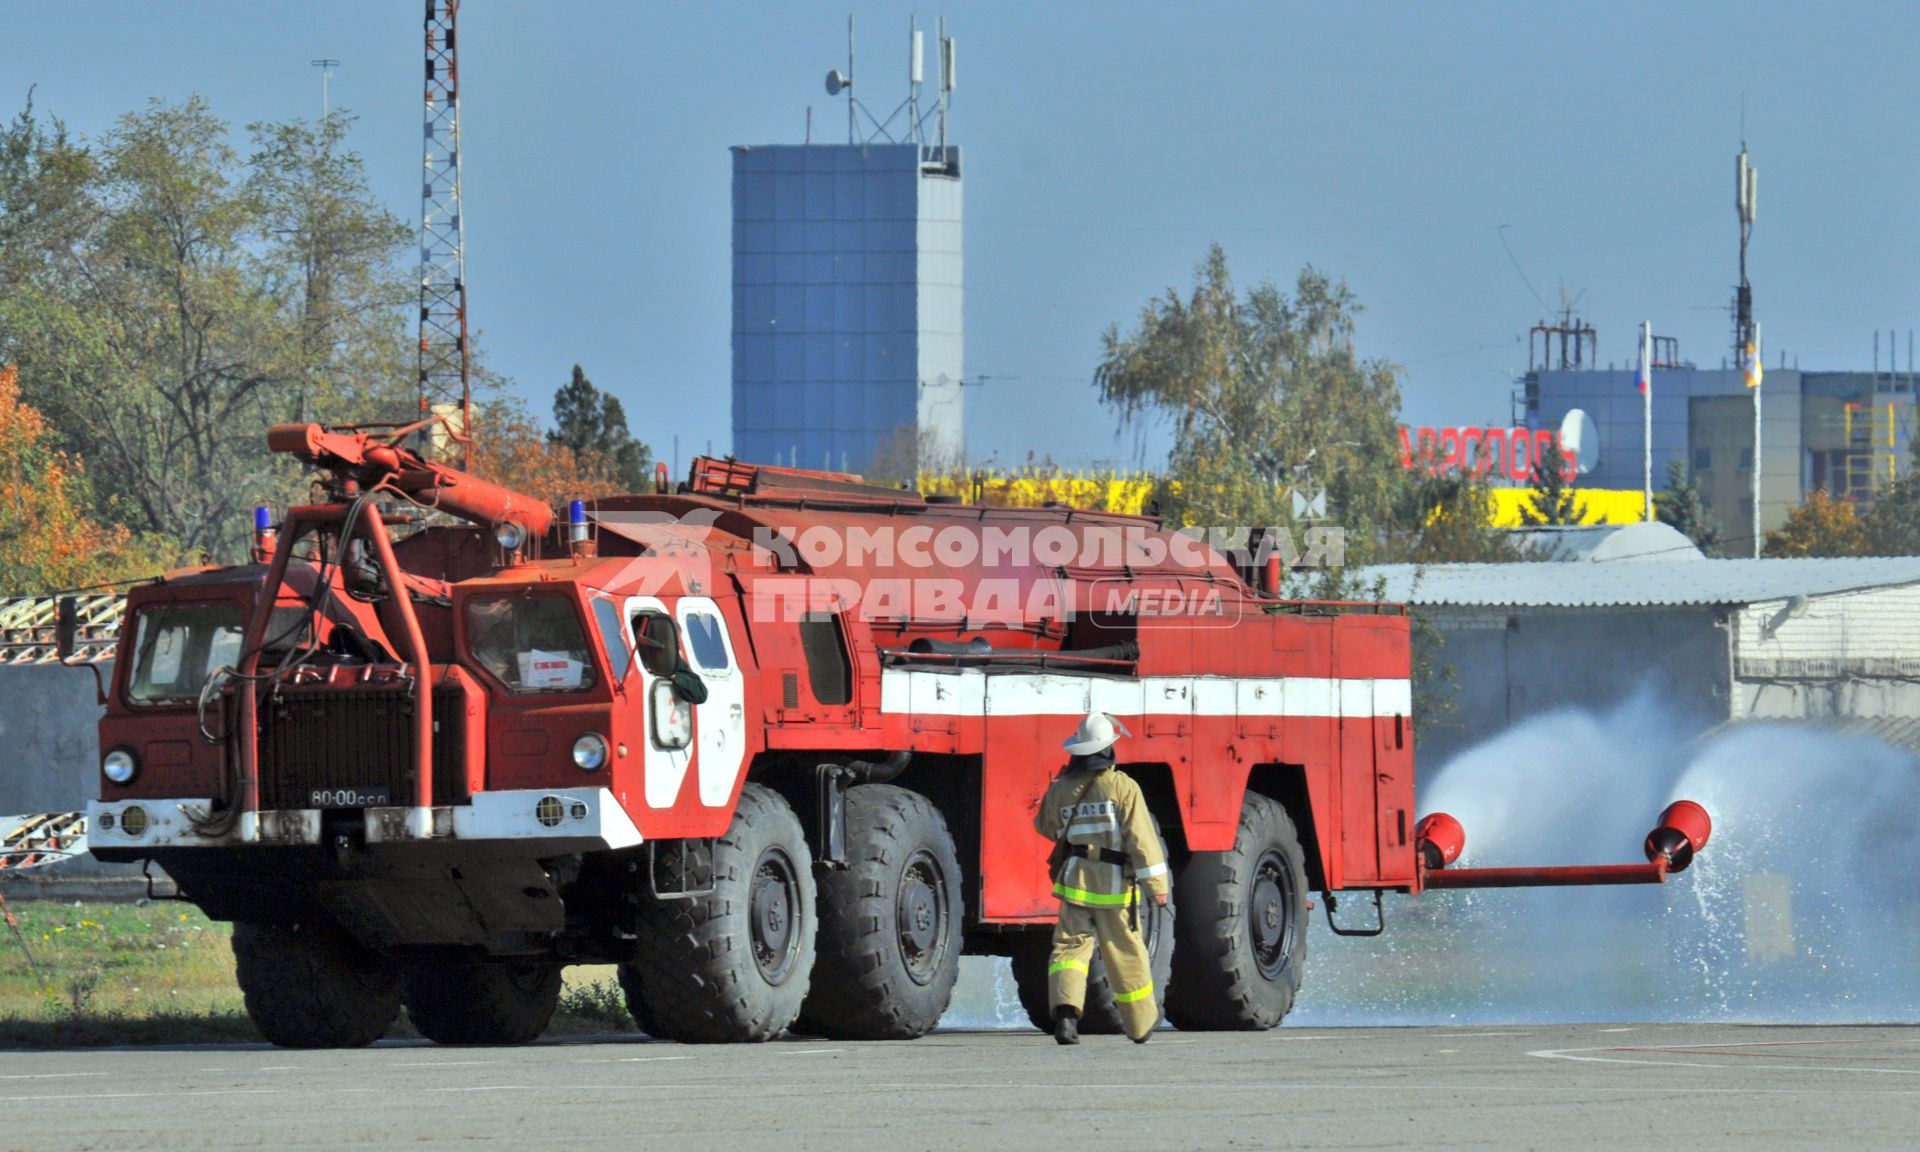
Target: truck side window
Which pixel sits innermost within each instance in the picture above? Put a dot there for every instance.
(657, 642)
(705, 638)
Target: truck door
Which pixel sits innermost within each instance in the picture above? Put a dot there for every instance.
(720, 722)
(665, 768)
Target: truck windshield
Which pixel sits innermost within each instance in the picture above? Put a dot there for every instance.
(530, 643)
(177, 645)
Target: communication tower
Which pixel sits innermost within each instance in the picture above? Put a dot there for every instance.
(446, 389)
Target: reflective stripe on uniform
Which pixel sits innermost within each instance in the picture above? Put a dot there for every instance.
(1149, 873)
(1066, 966)
(1106, 827)
(1136, 994)
(1100, 899)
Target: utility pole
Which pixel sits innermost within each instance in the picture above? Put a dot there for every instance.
(1746, 332)
(446, 389)
(326, 66)
(1746, 182)
(1646, 416)
(1754, 372)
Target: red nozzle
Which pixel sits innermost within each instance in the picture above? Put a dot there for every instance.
(1683, 830)
(1439, 839)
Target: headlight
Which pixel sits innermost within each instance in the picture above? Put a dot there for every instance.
(672, 717)
(589, 752)
(509, 535)
(119, 766)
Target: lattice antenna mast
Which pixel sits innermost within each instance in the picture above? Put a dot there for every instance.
(446, 387)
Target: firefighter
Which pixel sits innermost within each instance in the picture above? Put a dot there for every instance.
(1105, 847)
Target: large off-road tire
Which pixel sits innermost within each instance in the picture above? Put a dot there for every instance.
(311, 985)
(1031, 952)
(482, 1003)
(888, 950)
(1243, 940)
(731, 965)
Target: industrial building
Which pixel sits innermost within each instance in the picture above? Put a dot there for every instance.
(847, 309)
(1627, 610)
(1841, 432)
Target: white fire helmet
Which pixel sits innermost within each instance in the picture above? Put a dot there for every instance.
(1096, 734)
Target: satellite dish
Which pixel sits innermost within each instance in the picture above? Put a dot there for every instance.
(838, 82)
(1580, 436)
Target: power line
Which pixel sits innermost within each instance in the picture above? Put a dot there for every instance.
(1501, 232)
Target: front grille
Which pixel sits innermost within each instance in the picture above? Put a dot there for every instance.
(355, 740)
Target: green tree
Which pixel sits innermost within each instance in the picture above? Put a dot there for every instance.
(1680, 506)
(1266, 397)
(167, 301)
(44, 201)
(1444, 516)
(332, 262)
(1552, 501)
(593, 425)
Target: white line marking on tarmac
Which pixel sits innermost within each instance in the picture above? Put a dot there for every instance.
(632, 1059)
(182, 1092)
(1616, 1029)
(810, 1052)
(1568, 1054)
(445, 1063)
(1374, 1086)
(51, 1075)
(488, 1088)
(1465, 1035)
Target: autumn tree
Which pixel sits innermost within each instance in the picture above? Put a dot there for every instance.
(48, 542)
(1681, 506)
(1820, 526)
(1266, 398)
(1552, 501)
(592, 425)
(512, 449)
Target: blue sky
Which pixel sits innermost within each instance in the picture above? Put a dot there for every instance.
(1106, 146)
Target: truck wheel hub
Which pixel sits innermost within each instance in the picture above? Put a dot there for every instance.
(774, 894)
(1271, 915)
(921, 917)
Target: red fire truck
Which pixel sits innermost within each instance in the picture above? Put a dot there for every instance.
(770, 741)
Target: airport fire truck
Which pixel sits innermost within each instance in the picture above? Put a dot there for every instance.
(769, 740)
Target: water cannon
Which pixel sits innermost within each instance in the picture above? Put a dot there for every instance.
(360, 460)
(1681, 832)
(1440, 840)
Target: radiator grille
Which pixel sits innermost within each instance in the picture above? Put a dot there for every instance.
(356, 739)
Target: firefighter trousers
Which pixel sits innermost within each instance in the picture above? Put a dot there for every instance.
(1129, 968)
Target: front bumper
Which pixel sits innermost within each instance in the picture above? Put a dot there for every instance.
(548, 821)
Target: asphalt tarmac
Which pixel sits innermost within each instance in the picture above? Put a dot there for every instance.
(1419, 1089)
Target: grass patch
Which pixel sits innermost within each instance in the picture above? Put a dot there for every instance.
(162, 973)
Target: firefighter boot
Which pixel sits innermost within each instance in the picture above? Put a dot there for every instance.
(1066, 1025)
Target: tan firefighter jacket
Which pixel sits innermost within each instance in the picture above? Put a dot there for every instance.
(1103, 814)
